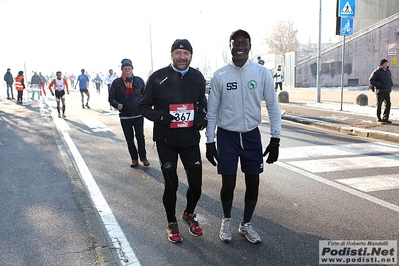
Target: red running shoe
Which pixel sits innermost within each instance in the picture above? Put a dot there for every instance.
(191, 220)
(174, 235)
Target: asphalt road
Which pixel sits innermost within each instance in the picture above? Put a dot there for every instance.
(325, 186)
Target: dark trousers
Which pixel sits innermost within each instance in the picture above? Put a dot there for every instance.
(277, 84)
(19, 97)
(386, 99)
(98, 87)
(138, 125)
(191, 160)
(9, 89)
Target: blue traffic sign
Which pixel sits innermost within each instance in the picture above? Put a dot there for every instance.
(346, 26)
(346, 8)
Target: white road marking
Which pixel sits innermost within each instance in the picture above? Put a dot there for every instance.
(372, 183)
(42, 108)
(348, 157)
(147, 123)
(340, 187)
(336, 150)
(123, 249)
(94, 124)
(347, 163)
(114, 116)
(59, 122)
(119, 240)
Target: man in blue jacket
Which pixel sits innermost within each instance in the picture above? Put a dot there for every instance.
(8, 78)
(382, 81)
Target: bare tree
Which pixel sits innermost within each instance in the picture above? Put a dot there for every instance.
(225, 55)
(283, 38)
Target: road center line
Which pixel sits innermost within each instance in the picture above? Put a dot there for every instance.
(341, 187)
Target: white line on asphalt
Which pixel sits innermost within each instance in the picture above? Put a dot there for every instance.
(42, 108)
(59, 122)
(147, 123)
(119, 241)
(93, 123)
(346, 163)
(336, 150)
(341, 187)
(372, 183)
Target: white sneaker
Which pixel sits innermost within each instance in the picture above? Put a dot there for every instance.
(59, 115)
(225, 233)
(249, 232)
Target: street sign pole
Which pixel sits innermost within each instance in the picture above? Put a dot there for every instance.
(342, 72)
(346, 12)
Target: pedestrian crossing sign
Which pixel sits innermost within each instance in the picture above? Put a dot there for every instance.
(346, 8)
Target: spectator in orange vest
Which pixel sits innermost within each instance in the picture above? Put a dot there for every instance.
(20, 86)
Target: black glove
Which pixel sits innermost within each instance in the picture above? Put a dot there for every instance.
(272, 149)
(52, 93)
(200, 121)
(212, 153)
(166, 118)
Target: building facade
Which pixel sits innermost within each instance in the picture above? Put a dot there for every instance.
(363, 51)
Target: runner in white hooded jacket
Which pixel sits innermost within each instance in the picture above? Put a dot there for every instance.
(234, 106)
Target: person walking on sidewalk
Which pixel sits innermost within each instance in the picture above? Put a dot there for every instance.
(108, 81)
(9, 79)
(36, 80)
(381, 82)
(241, 85)
(83, 81)
(43, 84)
(124, 95)
(20, 86)
(59, 84)
(174, 98)
(278, 78)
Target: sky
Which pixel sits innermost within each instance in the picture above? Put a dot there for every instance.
(68, 35)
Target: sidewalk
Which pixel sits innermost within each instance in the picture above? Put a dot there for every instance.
(352, 119)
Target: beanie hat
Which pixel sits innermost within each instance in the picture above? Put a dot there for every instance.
(126, 62)
(241, 33)
(383, 61)
(182, 44)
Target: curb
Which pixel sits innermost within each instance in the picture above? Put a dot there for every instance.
(354, 131)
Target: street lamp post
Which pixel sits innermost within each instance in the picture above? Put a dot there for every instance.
(152, 63)
(319, 60)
